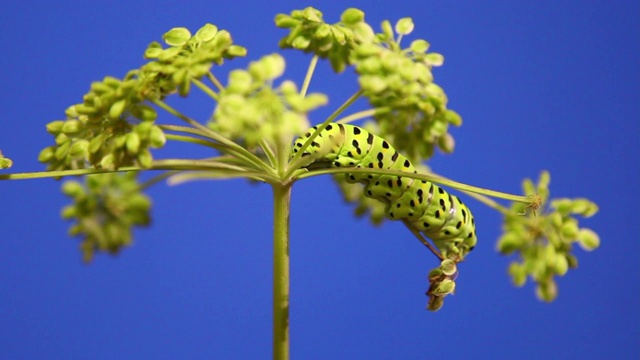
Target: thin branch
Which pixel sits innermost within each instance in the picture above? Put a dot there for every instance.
(207, 90)
(215, 81)
(309, 75)
(431, 178)
(359, 115)
(231, 146)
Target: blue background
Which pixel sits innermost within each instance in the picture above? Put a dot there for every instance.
(540, 85)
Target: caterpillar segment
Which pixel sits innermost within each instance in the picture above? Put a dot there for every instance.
(421, 204)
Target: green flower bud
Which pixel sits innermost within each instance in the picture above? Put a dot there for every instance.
(448, 267)
(133, 143)
(419, 46)
(561, 265)
(322, 31)
(518, 274)
(71, 127)
(61, 151)
(107, 162)
(68, 212)
(352, 16)
(5, 163)
(177, 36)
(157, 139)
(84, 109)
(372, 83)
(61, 139)
(139, 202)
(145, 158)
(547, 291)
(55, 127)
(96, 143)
(446, 287)
(435, 303)
(120, 140)
(570, 230)
(584, 207)
(112, 82)
(73, 189)
(404, 26)
(206, 33)
(433, 59)
(453, 118)
(236, 51)
(556, 220)
(222, 40)
(46, 154)
(144, 112)
(509, 243)
(153, 50)
(79, 148)
(301, 42)
(446, 143)
(387, 30)
(285, 21)
(588, 239)
(117, 108)
(169, 53)
(564, 206)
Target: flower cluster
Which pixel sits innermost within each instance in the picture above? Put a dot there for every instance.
(110, 129)
(442, 283)
(251, 110)
(411, 108)
(543, 240)
(309, 33)
(105, 208)
(187, 57)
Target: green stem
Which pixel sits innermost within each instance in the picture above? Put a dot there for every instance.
(193, 140)
(281, 202)
(359, 115)
(431, 178)
(309, 75)
(61, 173)
(232, 147)
(215, 81)
(207, 90)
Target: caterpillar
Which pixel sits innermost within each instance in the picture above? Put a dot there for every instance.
(422, 205)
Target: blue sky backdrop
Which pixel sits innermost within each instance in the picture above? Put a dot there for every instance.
(540, 85)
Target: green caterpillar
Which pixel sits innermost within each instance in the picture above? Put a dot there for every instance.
(426, 207)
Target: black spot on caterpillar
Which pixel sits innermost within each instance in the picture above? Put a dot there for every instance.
(426, 207)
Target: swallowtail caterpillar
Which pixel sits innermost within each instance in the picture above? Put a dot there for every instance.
(426, 207)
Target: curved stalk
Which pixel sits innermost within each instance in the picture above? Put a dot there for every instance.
(431, 178)
(232, 147)
(193, 140)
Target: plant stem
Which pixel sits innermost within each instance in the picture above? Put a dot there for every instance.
(281, 202)
(309, 75)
